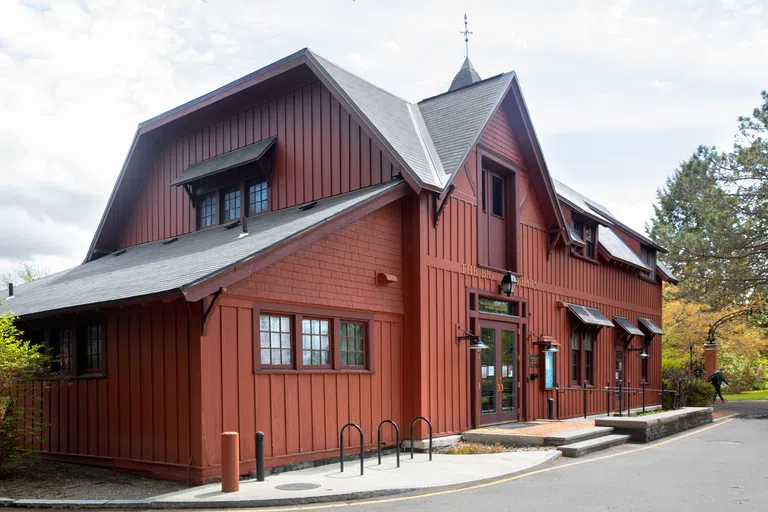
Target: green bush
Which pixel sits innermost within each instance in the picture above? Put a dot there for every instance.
(693, 392)
(699, 394)
(744, 373)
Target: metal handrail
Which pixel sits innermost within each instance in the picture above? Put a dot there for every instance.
(397, 440)
(341, 445)
(430, 434)
(621, 390)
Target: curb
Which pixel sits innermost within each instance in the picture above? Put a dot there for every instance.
(187, 504)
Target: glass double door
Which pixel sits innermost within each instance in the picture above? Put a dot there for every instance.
(498, 372)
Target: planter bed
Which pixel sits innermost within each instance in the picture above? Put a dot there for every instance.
(655, 426)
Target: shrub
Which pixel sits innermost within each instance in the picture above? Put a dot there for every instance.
(19, 360)
(693, 392)
(744, 373)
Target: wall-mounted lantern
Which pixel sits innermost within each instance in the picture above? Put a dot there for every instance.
(508, 284)
(475, 343)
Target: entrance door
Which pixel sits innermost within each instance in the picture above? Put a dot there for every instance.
(498, 372)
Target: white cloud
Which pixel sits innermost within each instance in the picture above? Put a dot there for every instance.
(76, 76)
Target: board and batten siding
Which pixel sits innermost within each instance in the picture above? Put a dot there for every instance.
(301, 413)
(320, 151)
(441, 284)
(142, 414)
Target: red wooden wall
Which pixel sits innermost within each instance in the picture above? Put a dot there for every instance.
(440, 304)
(144, 414)
(321, 151)
(301, 413)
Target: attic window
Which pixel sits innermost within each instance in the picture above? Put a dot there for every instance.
(206, 210)
(587, 231)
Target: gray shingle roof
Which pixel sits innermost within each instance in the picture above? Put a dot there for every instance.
(158, 267)
(618, 249)
(466, 76)
(667, 272)
(242, 156)
(455, 119)
(392, 116)
(579, 202)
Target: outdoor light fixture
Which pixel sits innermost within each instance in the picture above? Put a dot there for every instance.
(548, 343)
(643, 352)
(475, 343)
(508, 284)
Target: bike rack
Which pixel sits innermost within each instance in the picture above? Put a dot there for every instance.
(430, 434)
(397, 440)
(341, 445)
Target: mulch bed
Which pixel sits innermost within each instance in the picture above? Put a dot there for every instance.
(56, 480)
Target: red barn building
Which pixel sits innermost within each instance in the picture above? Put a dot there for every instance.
(300, 249)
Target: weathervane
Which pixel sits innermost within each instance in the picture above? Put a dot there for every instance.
(466, 32)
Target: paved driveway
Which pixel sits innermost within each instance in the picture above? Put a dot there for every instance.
(718, 467)
(756, 409)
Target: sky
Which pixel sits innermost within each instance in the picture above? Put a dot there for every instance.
(620, 91)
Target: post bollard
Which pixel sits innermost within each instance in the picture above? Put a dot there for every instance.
(260, 456)
(551, 408)
(230, 462)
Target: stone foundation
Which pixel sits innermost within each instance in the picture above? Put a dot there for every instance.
(649, 428)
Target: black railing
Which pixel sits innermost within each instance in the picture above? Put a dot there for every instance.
(620, 393)
(341, 445)
(397, 440)
(430, 434)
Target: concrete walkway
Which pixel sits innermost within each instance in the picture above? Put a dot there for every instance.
(328, 484)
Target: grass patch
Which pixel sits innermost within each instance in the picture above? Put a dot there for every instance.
(749, 395)
(463, 448)
(647, 413)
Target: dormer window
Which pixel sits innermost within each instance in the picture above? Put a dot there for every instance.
(648, 255)
(585, 244)
(230, 202)
(258, 199)
(206, 210)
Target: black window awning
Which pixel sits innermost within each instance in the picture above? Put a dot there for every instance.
(625, 325)
(649, 327)
(225, 162)
(589, 316)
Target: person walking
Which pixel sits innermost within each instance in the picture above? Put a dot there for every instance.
(717, 379)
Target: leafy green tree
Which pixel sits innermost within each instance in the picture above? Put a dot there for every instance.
(24, 273)
(712, 215)
(19, 360)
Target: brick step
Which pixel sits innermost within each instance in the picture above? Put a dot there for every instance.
(592, 445)
(575, 436)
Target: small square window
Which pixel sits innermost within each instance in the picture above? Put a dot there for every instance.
(230, 202)
(258, 198)
(275, 340)
(315, 342)
(206, 210)
(352, 344)
(93, 348)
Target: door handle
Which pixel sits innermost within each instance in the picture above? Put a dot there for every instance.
(502, 387)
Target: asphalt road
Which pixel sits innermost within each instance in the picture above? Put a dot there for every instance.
(719, 467)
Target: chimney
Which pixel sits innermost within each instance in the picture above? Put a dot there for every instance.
(244, 224)
(10, 289)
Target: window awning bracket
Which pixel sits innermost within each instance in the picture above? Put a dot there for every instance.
(211, 307)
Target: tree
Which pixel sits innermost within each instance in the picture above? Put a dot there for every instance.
(712, 216)
(19, 360)
(24, 273)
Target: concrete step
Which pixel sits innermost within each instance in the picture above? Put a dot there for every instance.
(592, 445)
(575, 436)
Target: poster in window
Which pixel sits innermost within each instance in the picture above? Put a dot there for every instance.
(491, 371)
(484, 372)
(549, 370)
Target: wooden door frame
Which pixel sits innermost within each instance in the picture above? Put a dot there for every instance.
(499, 326)
(474, 317)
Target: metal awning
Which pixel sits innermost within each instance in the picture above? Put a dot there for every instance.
(225, 162)
(648, 326)
(589, 316)
(625, 325)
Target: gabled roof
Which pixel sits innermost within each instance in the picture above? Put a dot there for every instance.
(178, 265)
(466, 76)
(393, 117)
(456, 119)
